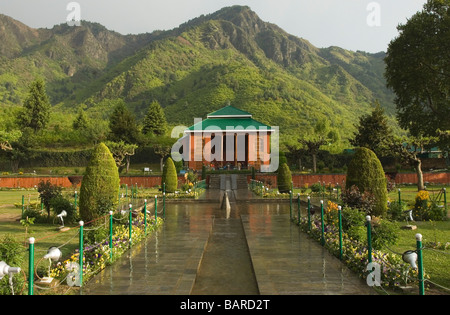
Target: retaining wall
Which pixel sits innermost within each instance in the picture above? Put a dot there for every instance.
(300, 180)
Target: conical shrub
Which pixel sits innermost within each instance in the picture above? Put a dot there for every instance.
(169, 176)
(366, 173)
(99, 192)
(284, 178)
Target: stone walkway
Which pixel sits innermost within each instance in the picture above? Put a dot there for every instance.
(285, 261)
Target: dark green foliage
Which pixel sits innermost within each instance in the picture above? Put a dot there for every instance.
(204, 172)
(366, 173)
(284, 178)
(12, 253)
(36, 107)
(373, 131)
(385, 233)
(123, 126)
(365, 201)
(169, 176)
(100, 185)
(155, 120)
(59, 203)
(198, 68)
(48, 191)
(417, 70)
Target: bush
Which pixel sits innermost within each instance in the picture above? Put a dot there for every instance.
(354, 198)
(48, 191)
(99, 190)
(169, 176)
(425, 210)
(284, 179)
(13, 254)
(396, 211)
(353, 221)
(366, 173)
(317, 188)
(385, 233)
(59, 204)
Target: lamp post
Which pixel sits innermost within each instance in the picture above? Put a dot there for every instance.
(322, 239)
(369, 238)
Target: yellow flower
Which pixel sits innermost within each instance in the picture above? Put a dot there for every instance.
(422, 195)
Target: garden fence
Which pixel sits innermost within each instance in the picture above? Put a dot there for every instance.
(381, 269)
(126, 226)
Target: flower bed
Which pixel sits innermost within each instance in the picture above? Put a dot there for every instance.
(97, 256)
(395, 273)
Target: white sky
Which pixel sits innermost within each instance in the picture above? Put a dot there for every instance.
(324, 23)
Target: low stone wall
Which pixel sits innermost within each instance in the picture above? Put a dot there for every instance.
(300, 180)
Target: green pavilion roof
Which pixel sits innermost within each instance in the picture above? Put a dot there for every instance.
(229, 118)
(228, 112)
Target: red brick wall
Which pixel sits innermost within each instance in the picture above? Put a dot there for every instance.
(30, 182)
(151, 181)
(400, 178)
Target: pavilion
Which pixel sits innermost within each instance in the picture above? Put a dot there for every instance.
(228, 139)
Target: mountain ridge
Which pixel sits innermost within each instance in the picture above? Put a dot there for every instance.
(228, 56)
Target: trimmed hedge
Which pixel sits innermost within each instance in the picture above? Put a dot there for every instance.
(99, 191)
(366, 173)
(284, 178)
(169, 176)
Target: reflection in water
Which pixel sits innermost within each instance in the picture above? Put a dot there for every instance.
(201, 249)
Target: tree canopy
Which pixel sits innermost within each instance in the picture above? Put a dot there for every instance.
(418, 70)
(373, 131)
(36, 107)
(155, 120)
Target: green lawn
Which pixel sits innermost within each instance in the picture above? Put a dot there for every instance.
(435, 260)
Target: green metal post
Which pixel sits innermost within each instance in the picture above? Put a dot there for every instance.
(31, 266)
(309, 213)
(420, 264)
(110, 235)
(130, 224)
(23, 204)
(369, 238)
(145, 216)
(340, 231)
(445, 200)
(298, 207)
(164, 205)
(399, 197)
(156, 209)
(81, 252)
(322, 239)
(290, 204)
(164, 187)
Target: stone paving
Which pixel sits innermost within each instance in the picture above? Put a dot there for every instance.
(285, 261)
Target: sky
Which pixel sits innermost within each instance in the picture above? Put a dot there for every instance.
(366, 25)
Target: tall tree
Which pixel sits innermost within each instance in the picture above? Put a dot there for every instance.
(408, 150)
(123, 126)
(155, 120)
(373, 131)
(418, 70)
(322, 135)
(36, 107)
(121, 151)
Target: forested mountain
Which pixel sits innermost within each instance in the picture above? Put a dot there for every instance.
(228, 57)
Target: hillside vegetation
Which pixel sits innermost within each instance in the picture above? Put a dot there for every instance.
(228, 57)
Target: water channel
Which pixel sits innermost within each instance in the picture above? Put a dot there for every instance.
(249, 248)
